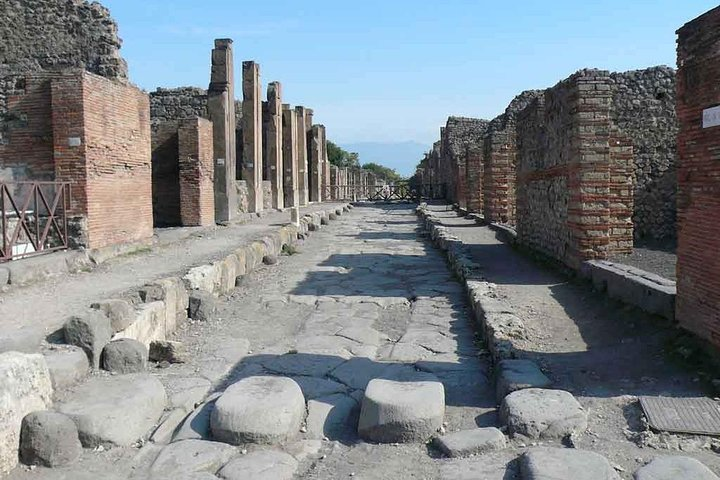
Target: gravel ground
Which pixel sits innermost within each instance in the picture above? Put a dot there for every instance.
(658, 259)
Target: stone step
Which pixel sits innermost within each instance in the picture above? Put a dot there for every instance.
(565, 464)
(539, 413)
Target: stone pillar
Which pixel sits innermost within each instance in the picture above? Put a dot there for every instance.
(252, 136)
(315, 164)
(221, 110)
(302, 155)
(195, 154)
(309, 114)
(474, 178)
(290, 157)
(334, 182)
(273, 142)
(326, 175)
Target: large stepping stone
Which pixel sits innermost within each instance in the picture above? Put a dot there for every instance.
(258, 410)
(115, 410)
(538, 413)
(190, 456)
(674, 468)
(332, 417)
(471, 442)
(260, 465)
(401, 411)
(565, 464)
(514, 375)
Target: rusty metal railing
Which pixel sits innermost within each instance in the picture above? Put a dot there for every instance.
(33, 218)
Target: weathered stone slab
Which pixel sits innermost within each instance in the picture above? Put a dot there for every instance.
(204, 278)
(25, 387)
(202, 305)
(168, 351)
(191, 456)
(363, 335)
(538, 413)
(125, 355)
(401, 411)
(513, 375)
(67, 365)
(565, 464)
(91, 332)
(303, 364)
(164, 432)
(675, 468)
(471, 442)
(49, 439)
(115, 410)
(332, 417)
(356, 373)
(313, 387)
(260, 465)
(488, 466)
(258, 410)
(196, 426)
(171, 291)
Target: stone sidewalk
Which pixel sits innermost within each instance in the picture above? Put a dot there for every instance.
(29, 314)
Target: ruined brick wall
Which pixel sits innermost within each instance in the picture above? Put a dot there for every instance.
(574, 173)
(644, 109)
(26, 148)
(474, 177)
(51, 36)
(499, 159)
(110, 165)
(174, 104)
(196, 171)
(698, 268)
(456, 136)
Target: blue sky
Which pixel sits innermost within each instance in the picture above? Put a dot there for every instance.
(393, 70)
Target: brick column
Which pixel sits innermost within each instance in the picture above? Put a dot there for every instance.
(290, 157)
(302, 149)
(316, 152)
(221, 109)
(252, 136)
(326, 176)
(698, 200)
(195, 153)
(273, 142)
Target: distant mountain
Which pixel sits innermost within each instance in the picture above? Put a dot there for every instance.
(402, 156)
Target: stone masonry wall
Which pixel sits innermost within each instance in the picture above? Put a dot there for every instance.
(173, 104)
(698, 268)
(51, 36)
(644, 109)
(458, 134)
(574, 173)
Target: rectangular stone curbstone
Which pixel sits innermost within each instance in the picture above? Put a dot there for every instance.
(149, 324)
(172, 292)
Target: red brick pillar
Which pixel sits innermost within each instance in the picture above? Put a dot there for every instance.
(195, 151)
(698, 200)
(474, 178)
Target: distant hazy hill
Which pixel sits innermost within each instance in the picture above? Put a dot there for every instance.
(402, 156)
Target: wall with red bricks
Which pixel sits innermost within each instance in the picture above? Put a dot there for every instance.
(574, 177)
(102, 144)
(474, 175)
(196, 168)
(698, 267)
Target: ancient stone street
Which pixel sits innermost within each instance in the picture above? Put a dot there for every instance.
(357, 355)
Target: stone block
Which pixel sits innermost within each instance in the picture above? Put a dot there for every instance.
(673, 468)
(149, 324)
(203, 306)
(91, 332)
(168, 351)
(172, 292)
(25, 387)
(471, 442)
(565, 464)
(260, 465)
(125, 355)
(538, 413)
(120, 312)
(513, 375)
(67, 365)
(204, 278)
(49, 439)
